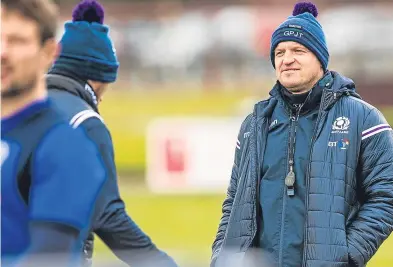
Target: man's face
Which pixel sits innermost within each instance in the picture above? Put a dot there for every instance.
(297, 68)
(23, 58)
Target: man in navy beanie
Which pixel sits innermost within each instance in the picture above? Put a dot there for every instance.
(312, 180)
(77, 80)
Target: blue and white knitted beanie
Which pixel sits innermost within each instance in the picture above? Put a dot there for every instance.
(302, 27)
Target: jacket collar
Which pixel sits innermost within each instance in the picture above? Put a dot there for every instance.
(342, 86)
(74, 86)
(334, 87)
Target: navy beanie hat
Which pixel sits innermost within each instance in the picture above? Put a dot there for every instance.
(303, 28)
(86, 48)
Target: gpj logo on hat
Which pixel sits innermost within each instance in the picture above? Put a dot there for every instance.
(294, 33)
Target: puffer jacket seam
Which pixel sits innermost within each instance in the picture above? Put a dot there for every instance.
(361, 254)
(330, 261)
(368, 114)
(338, 163)
(364, 243)
(382, 164)
(377, 152)
(333, 245)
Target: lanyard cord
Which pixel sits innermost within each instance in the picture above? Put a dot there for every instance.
(290, 179)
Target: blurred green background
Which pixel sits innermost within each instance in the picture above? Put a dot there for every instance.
(182, 225)
(127, 114)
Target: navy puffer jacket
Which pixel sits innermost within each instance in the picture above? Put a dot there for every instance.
(349, 200)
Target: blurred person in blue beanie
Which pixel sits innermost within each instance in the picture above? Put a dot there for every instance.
(312, 180)
(87, 52)
(85, 67)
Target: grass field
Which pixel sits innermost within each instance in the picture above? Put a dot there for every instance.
(184, 226)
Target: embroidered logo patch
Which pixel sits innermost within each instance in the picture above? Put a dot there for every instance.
(341, 125)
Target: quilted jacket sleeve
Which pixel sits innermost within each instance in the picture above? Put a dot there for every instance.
(231, 192)
(374, 221)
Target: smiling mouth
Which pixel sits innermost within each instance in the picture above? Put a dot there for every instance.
(290, 70)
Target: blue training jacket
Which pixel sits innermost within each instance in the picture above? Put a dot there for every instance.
(50, 174)
(119, 232)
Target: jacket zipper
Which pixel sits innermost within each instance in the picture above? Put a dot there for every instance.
(289, 185)
(305, 235)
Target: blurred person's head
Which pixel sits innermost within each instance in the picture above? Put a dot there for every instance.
(299, 52)
(87, 50)
(28, 46)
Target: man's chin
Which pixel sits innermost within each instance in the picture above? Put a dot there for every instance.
(14, 92)
(10, 93)
(295, 88)
(291, 85)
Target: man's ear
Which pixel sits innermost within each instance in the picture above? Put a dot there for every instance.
(99, 88)
(58, 50)
(51, 50)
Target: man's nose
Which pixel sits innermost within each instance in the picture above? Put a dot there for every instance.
(288, 58)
